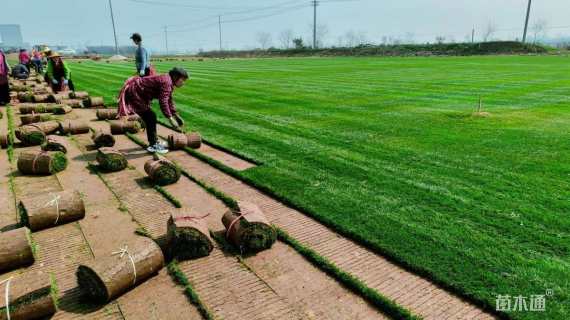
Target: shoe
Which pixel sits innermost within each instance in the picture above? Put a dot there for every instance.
(151, 149)
(163, 144)
(160, 149)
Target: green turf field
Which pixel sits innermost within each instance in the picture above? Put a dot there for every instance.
(387, 150)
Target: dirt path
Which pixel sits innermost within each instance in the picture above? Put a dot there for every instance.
(8, 216)
(416, 294)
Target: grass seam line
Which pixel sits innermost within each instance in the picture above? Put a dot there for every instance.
(180, 278)
(172, 199)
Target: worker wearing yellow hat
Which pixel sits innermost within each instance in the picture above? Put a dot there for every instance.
(58, 74)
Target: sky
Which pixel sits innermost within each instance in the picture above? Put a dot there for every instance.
(193, 24)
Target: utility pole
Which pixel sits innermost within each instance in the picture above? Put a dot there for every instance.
(220, 29)
(114, 30)
(315, 4)
(473, 35)
(166, 38)
(526, 21)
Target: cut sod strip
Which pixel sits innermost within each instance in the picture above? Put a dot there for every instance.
(31, 295)
(111, 160)
(15, 249)
(41, 163)
(109, 277)
(51, 209)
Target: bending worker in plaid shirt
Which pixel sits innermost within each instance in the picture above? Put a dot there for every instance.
(137, 95)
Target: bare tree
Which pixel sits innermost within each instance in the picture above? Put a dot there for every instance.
(539, 28)
(354, 38)
(489, 31)
(440, 39)
(286, 38)
(409, 38)
(264, 39)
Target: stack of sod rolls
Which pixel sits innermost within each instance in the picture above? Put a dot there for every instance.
(33, 295)
(103, 139)
(51, 209)
(15, 249)
(177, 141)
(248, 228)
(188, 236)
(108, 277)
(162, 171)
(41, 162)
(111, 160)
(56, 143)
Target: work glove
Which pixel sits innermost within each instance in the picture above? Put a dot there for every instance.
(65, 82)
(54, 81)
(142, 73)
(174, 124)
(179, 120)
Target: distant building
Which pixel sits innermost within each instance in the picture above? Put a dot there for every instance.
(11, 36)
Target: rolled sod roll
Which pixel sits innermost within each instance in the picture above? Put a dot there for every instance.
(93, 102)
(188, 236)
(4, 141)
(74, 103)
(35, 134)
(73, 127)
(62, 109)
(103, 139)
(122, 127)
(162, 171)
(79, 95)
(177, 141)
(40, 98)
(25, 96)
(56, 143)
(15, 249)
(58, 97)
(107, 114)
(35, 108)
(41, 163)
(35, 118)
(248, 228)
(108, 277)
(111, 160)
(33, 295)
(51, 209)
(18, 87)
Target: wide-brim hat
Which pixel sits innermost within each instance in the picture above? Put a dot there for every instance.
(54, 55)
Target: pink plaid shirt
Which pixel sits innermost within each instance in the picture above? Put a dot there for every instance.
(141, 91)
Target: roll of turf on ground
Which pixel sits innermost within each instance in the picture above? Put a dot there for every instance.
(31, 296)
(111, 160)
(4, 141)
(62, 109)
(48, 210)
(103, 139)
(38, 98)
(35, 118)
(25, 96)
(107, 114)
(18, 87)
(57, 97)
(93, 102)
(248, 228)
(35, 108)
(74, 103)
(73, 127)
(188, 236)
(162, 171)
(35, 134)
(56, 143)
(79, 95)
(41, 162)
(15, 249)
(177, 141)
(108, 277)
(122, 127)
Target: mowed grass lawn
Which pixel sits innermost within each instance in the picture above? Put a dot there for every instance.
(386, 150)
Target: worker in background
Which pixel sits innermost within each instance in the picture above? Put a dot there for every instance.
(20, 72)
(59, 74)
(37, 61)
(136, 97)
(4, 83)
(24, 58)
(142, 57)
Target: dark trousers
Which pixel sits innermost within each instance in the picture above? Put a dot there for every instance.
(4, 92)
(149, 119)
